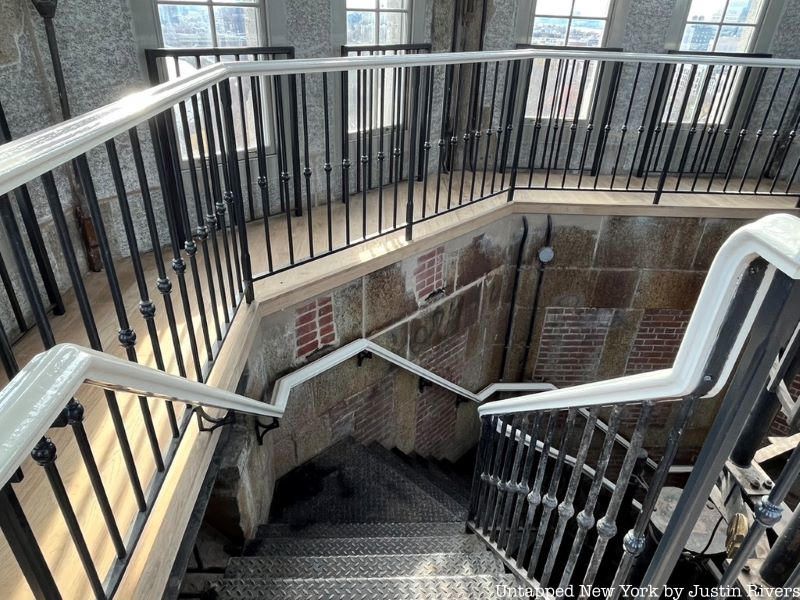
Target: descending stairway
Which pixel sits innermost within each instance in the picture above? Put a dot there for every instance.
(366, 522)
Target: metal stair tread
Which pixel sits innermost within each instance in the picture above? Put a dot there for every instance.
(340, 530)
(365, 545)
(357, 487)
(363, 565)
(413, 475)
(477, 587)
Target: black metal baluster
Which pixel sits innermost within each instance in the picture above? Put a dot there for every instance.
(403, 113)
(294, 120)
(219, 204)
(560, 124)
(486, 471)
(566, 509)
(261, 158)
(512, 184)
(23, 545)
(327, 166)
(397, 153)
(727, 132)
(785, 153)
(146, 306)
(662, 178)
(426, 144)
(589, 128)
(467, 137)
(719, 114)
(708, 126)
(189, 245)
(283, 166)
(760, 130)
(45, 455)
(534, 497)
(641, 129)
(126, 336)
(414, 91)
(511, 486)
(522, 490)
(381, 154)
(236, 190)
(661, 129)
(243, 116)
(563, 126)
(494, 474)
(345, 158)
(371, 130)
(775, 134)
(201, 231)
(550, 499)
(359, 124)
(509, 126)
(555, 106)
(482, 456)
(624, 127)
(606, 526)
(85, 308)
(393, 131)
(585, 518)
(504, 474)
(306, 167)
(608, 117)
(162, 149)
(537, 122)
(228, 196)
(489, 126)
(693, 125)
(367, 142)
(453, 147)
(476, 151)
(743, 131)
(448, 86)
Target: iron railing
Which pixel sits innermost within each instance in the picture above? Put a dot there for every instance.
(550, 497)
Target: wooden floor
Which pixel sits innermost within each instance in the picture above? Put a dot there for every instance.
(364, 217)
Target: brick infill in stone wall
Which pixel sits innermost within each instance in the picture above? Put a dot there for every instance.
(314, 326)
(429, 273)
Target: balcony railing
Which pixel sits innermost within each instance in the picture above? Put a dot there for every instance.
(167, 165)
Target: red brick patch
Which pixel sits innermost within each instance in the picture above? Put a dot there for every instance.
(429, 273)
(572, 344)
(314, 326)
(658, 339)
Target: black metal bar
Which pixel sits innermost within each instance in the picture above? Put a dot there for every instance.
(294, 124)
(674, 140)
(522, 488)
(345, 157)
(412, 149)
(537, 122)
(45, 455)
(727, 132)
(261, 154)
(693, 125)
(306, 167)
(327, 166)
(13, 301)
(146, 307)
(23, 545)
(283, 166)
(520, 128)
(236, 190)
(608, 117)
(776, 133)
(246, 145)
(84, 306)
(745, 124)
(490, 126)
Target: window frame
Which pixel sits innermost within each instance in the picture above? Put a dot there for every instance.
(409, 23)
(259, 5)
(719, 25)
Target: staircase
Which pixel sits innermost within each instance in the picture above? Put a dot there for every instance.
(366, 522)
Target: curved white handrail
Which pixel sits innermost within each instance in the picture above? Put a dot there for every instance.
(28, 157)
(35, 397)
(284, 385)
(776, 239)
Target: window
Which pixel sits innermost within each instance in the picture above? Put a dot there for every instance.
(714, 26)
(574, 23)
(721, 25)
(373, 22)
(204, 24)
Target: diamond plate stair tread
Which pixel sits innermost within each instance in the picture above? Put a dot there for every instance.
(340, 530)
(386, 565)
(455, 486)
(363, 546)
(350, 485)
(418, 478)
(476, 587)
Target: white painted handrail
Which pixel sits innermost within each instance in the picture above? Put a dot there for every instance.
(35, 397)
(29, 157)
(284, 385)
(776, 239)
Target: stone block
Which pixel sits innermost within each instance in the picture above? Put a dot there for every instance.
(387, 298)
(567, 287)
(574, 239)
(482, 255)
(394, 339)
(614, 288)
(715, 232)
(668, 289)
(619, 339)
(648, 242)
(347, 311)
(442, 320)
